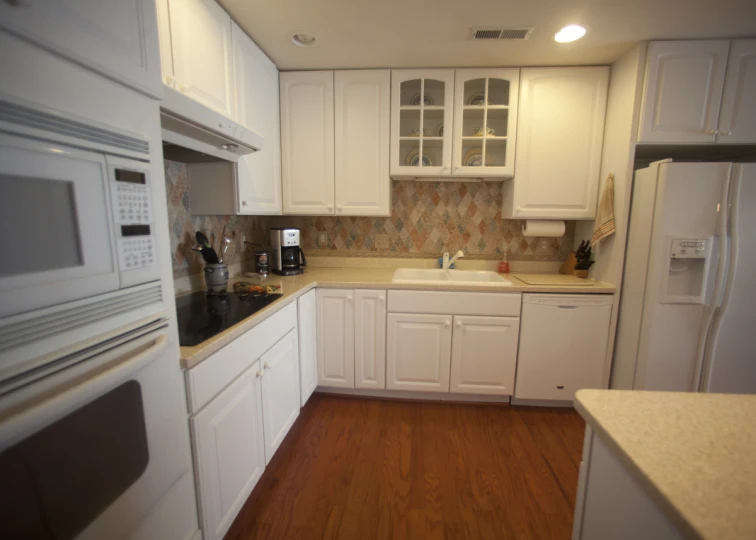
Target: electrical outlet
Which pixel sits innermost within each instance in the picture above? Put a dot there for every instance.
(382, 241)
(544, 245)
(323, 239)
(243, 246)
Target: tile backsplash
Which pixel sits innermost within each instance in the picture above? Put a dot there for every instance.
(427, 218)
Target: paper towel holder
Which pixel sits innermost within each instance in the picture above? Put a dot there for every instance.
(544, 228)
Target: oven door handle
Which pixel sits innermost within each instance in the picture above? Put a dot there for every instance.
(36, 416)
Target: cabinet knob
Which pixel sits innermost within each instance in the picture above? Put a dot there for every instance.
(726, 133)
(349, 298)
(459, 324)
(266, 365)
(711, 131)
(330, 207)
(447, 324)
(182, 88)
(382, 299)
(339, 208)
(244, 203)
(259, 374)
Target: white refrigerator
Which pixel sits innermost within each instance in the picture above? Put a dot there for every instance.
(687, 319)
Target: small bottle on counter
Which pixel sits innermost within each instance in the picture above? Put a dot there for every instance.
(504, 264)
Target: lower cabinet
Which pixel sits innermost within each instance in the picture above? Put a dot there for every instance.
(369, 339)
(335, 337)
(229, 450)
(484, 355)
(418, 352)
(308, 345)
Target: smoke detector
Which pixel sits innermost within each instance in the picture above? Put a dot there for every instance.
(497, 32)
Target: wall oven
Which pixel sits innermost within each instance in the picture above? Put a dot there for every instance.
(80, 255)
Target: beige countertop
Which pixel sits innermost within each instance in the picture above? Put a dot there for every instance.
(366, 278)
(694, 453)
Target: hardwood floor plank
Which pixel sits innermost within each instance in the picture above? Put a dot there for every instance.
(369, 468)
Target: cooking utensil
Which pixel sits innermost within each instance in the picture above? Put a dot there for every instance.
(209, 255)
(202, 240)
(220, 242)
(225, 242)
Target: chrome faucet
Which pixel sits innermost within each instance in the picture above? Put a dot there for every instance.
(448, 262)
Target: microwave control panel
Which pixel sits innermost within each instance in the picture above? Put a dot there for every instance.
(132, 207)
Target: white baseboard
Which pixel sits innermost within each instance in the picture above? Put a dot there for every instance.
(415, 396)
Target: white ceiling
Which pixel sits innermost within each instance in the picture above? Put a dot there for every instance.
(435, 33)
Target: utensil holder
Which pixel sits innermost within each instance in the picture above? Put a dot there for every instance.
(568, 267)
(216, 277)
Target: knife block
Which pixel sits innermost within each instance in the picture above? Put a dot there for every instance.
(568, 267)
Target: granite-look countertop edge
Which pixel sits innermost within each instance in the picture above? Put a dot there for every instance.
(701, 462)
(352, 278)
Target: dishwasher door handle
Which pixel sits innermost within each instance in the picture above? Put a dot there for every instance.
(567, 307)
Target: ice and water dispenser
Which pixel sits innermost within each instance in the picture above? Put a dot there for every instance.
(687, 269)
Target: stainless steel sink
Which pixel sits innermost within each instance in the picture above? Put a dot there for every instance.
(484, 278)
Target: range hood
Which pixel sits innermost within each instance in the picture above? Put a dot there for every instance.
(188, 124)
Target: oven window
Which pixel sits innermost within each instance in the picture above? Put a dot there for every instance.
(57, 481)
(39, 218)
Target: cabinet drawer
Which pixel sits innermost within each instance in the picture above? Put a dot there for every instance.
(215, 373)
(434, 302)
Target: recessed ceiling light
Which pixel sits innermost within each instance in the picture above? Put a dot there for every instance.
(569, 33)
(303, 39)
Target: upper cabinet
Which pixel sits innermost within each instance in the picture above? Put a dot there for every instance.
(699, 92)
(256, 85)
(421, 118)
(116, 39)
(561, 133)
(196, 52)
(334, 142)
(485, 122)
(737, 119)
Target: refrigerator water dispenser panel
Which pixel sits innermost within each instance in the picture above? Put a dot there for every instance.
(687, 271)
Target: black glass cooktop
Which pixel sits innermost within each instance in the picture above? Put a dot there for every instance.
(202, 315)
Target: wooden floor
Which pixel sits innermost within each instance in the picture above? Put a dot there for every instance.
(366, 468)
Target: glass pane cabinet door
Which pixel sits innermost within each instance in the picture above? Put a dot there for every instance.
(421, 106)
(485, 120)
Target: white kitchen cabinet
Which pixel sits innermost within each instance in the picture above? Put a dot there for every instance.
(229, 451)
(421, 122)
(202, 61)
(280, 391)
(335, 338)
(485, 122)
(308, 345)
(737, 119)
(370, 339)
(563, 340)
(116, 39)
(256, 89)
(307, 142)
(484, 355)
(418, 352)
(683, 91)
(559, 142)
(362, 182)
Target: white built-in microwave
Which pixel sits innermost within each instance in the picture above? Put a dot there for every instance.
(79, 256)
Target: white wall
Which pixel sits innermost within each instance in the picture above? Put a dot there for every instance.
(620, 134)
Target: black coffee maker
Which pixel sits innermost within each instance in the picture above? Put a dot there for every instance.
(287, 258)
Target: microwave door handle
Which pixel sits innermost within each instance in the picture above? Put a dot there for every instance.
(48, 411)
(302, 259)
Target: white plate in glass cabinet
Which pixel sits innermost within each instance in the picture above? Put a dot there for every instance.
(421, 118)
(485, 122)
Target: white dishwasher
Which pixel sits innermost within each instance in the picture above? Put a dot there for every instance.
(563, 342)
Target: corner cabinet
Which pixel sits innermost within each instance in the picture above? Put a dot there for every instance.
(258, 185)
(421, 119)
(559, 143)
(485, 122)
(335, 338)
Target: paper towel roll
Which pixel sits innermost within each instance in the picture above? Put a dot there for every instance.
(543, 227)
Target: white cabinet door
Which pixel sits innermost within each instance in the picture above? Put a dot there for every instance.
(201, 46)
(737, 120)
(280, 391)
(117, 39)
(256, 90)
(421, 122)
(484, 355)
(485, 121)
(336, 338)
(563, 343)
(308, 345)
(363, 185)
(229, 451)
(369, 339)
(683, 91)
(559, 141)
(418, 352)
(307, 138)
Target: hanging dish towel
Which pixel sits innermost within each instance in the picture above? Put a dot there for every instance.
(605, 214)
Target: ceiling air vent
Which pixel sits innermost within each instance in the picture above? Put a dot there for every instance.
(490, 32)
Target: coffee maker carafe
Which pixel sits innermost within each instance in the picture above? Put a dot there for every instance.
(287, 258)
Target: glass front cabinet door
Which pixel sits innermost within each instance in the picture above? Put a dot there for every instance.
(421, 105)
(485, 122)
